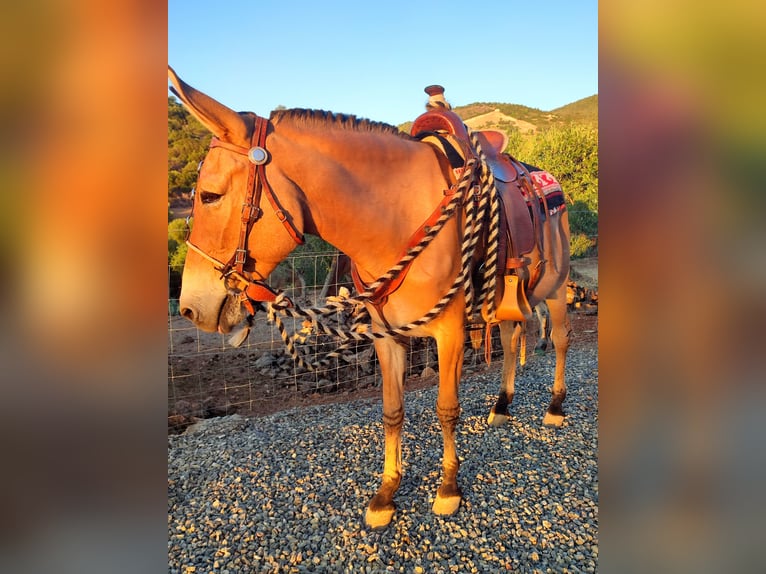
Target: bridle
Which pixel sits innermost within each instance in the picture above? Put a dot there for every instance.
(233, 272)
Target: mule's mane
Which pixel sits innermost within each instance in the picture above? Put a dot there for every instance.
(324, 119)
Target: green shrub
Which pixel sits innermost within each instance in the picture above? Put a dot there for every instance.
(178, 258)
(580, 245)
(177, 248)
(178, 230)
(570, 154)
(313, 259)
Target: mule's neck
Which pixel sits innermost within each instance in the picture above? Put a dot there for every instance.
(363, 192)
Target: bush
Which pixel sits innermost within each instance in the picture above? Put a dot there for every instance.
(570, 153)
(177, 231)
(313, 259)
(177, 249)
(580, 245)
(178, 258)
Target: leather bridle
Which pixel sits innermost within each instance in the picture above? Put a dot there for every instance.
(233, 272)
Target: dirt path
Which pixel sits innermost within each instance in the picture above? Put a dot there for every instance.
(585, 272)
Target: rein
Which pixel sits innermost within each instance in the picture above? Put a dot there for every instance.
(251, 290)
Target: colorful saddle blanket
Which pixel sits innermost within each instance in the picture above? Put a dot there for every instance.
(548, 186)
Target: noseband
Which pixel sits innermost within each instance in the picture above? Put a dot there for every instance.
(251, 289)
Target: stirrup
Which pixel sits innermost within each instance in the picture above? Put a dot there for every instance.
(514, 305)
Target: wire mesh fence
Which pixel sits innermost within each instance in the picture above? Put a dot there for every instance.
(208, 377)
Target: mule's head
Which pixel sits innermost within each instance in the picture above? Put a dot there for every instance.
(209, 300)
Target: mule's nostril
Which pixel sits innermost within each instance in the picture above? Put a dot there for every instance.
(189, 313)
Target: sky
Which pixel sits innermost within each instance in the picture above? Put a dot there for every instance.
(373, 59)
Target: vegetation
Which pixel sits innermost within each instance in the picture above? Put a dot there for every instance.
(570, 153)
(187, 143)
(177, 248)
(584, 111)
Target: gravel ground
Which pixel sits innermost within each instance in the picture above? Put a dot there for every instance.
(287, 492)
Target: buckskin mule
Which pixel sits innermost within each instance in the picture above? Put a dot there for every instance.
(372, 192)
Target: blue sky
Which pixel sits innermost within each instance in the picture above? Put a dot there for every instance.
(373, 59)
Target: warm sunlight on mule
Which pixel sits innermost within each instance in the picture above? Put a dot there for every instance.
(436, 227)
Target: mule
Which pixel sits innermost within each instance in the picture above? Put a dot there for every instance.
(363, 187)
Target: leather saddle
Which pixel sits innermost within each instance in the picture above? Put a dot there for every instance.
(520, 226)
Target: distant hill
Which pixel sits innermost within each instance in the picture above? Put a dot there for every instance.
(584, 111)
(526, 120)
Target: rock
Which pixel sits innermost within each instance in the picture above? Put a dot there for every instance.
(427, 373)
(264, 361)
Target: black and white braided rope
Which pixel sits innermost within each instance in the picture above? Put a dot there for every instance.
(487, 182)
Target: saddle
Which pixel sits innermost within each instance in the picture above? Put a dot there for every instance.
(520, 220)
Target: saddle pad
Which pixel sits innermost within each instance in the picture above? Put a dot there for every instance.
(549, 186)
(545, 181)
(447, 144)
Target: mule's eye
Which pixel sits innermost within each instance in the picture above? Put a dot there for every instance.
(209, 197)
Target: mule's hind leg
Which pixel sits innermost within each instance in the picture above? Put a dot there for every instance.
(544, 324)
(561, 330)
(392, 356)
(450, 350)
(509, 336)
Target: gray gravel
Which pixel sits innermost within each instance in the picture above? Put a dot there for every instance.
(287, 492)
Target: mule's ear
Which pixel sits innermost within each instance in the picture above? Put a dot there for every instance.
(224, 122)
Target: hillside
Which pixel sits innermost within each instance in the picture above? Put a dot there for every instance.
(510, 117)
(584, 111)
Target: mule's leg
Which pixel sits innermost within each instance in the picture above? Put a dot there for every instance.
(561, 330)
(509, 336)
(477, 338)
(393, 361)
(544, 324)
(450, 350)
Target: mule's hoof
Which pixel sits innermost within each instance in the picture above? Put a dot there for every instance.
(444, 506)
(379, 518)
(551, 420)
(496, 420)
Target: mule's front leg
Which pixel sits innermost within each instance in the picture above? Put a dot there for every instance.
(450, 349)
(392, 356)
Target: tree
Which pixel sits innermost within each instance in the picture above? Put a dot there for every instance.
(188, 141)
